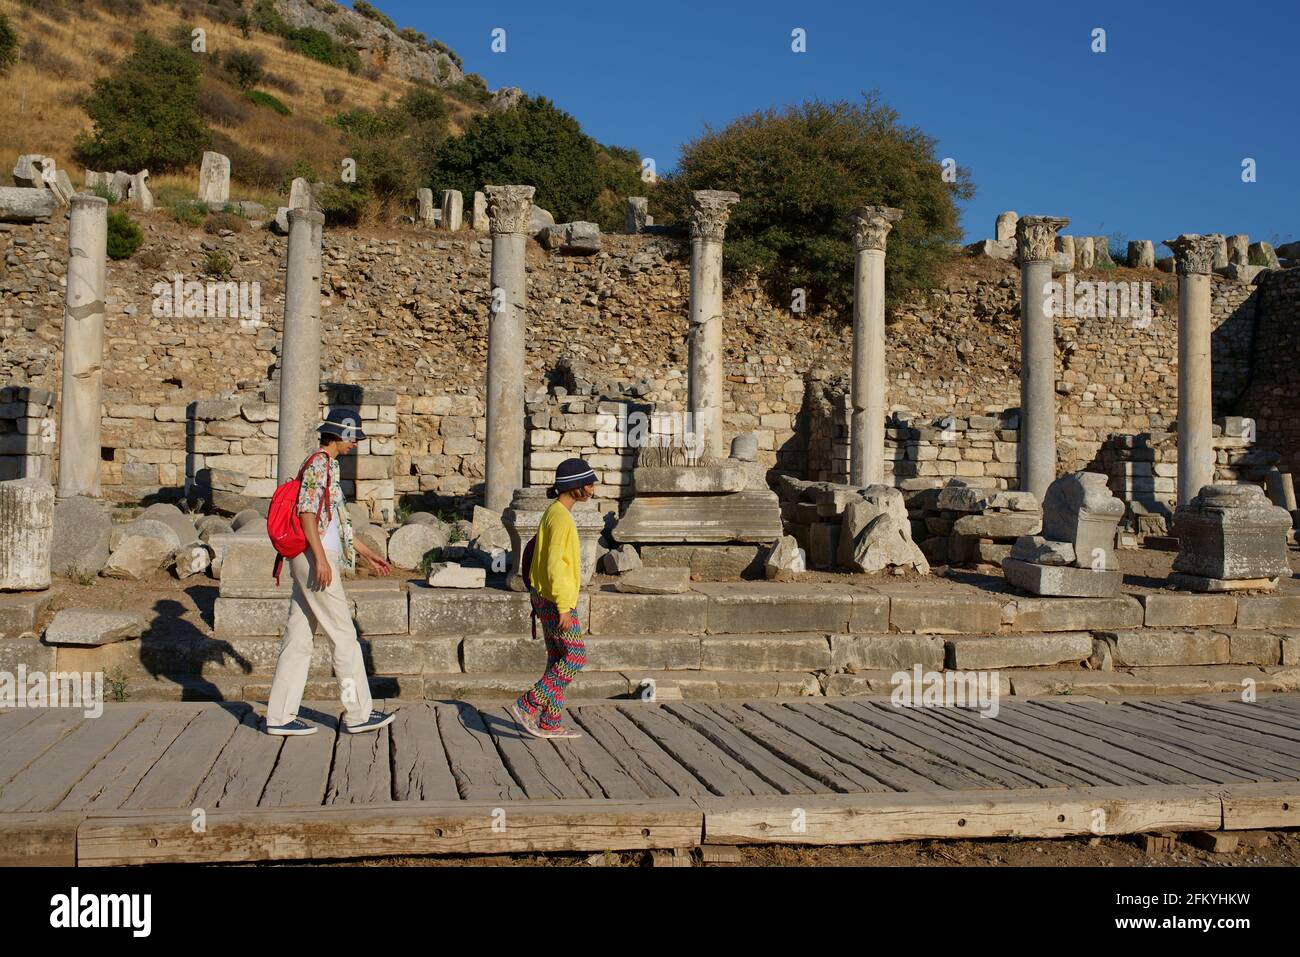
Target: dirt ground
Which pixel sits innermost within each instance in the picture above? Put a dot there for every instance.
(1255, 849)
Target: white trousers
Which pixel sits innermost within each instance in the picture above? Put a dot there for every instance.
(311, 605)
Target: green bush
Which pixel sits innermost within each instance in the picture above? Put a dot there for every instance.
(267, 18)
(799, 172)
(186, 210)
(124, 236)
(217, 264)
(245, 67)
(534, 142)
(319, 45)
(370, 13)
(260, 98)
(105, 193)
(8, 44)
(145, 113)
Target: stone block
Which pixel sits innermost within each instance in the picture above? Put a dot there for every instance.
(944, 614)
(1174, 610)
(497, 653)
(654, 581)
(92, 627)
(1004, 525)
(250, 617)
(489, 611)
(870, 614)
(20, 611)
(614, 613)
(1062, 580)
(1152, 646)
(1020, 650)
(1232, 533)
(408, 655)
(765, 653)
(1253, 647)
(27, 651)
(1074, 614)
(380, 612)
(737, 609)
(1268, 611)
(884, 651)
(454, 575)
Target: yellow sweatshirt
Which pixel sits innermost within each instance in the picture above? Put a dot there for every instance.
(557, 558)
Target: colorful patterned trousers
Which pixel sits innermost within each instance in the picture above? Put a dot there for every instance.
(565, 657)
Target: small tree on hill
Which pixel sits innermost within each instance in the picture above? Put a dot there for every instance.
(799, 172)
(8, 45)
(145, 113)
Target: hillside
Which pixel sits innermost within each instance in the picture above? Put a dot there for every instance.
(65, 45)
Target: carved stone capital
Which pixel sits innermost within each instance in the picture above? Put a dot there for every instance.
(1036, 237)
(710, 210)
(509, 208)
(871, 225)
(1193, 253)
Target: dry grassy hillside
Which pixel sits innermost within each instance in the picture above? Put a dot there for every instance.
(66, 46)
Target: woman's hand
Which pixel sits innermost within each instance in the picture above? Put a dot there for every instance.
(377, 564)
(324, 573)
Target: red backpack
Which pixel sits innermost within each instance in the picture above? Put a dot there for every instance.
(282, 522)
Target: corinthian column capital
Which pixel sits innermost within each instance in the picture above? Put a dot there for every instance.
(1036, 237)
(509, 208)
(871, 225)
(710, 210)
(1193, 253)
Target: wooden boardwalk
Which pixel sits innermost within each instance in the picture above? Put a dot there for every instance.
(201, 782)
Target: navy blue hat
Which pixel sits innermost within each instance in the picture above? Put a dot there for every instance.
(344, 424)
(572, 473)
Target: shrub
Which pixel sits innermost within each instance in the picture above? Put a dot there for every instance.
(145, 113)
(533, 142)
(48, 61)
(799, 173)
(219, 107)
(217, 264)
(412, 35)
(281, 83)
(332, 96)
(105, 193)
(441, 47)
(319, 45)
(216, 222)
(267, 18)
(244, 67)
(187, 212)
(8, 44)
(370, 13)
(124, 236)
(260, 98)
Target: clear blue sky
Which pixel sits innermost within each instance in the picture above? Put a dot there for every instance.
(1146, 139)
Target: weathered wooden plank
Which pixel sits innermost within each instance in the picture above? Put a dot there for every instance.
(173, 780)
(421, 771)
(720, 773)
(784, 777)
(1233, 727)
(48, 779)
(898, 763)
(533, 762)
(652, 768)
(111, 781)
(598, 769)
(479, 771)
(1250, 806)
(302, 768)
(1236, 717)
(972, 728)
(241, 771)
(44, 839)
(362, 772)
(910, 725)
(20, 750)
(13, 720)
(869, 818)
(401, 828)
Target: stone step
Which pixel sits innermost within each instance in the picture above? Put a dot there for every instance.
(756, 653)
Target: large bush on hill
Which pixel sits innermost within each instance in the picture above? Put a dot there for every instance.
(8, 44)
(533, 143)
(799, 172)
(145, 113)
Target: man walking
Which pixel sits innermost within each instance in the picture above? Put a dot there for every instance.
(318, 596)
(554, 578)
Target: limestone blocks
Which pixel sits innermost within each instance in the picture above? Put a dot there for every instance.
(1230, 537)
(875, 534)
(214, 178)
(453, 209)
(26, 533)
(1074, 556)
(580, 238)
(635, 215)
(25, 205)
(980, 523)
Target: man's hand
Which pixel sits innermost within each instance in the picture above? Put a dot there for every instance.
(324, 573)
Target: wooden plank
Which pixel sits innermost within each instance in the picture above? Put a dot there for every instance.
(398, 829)
(719, 772)
(1031, 763)
(784, 777)
(598, 769)
(986, 770)
(421, 771)
(533, 762)
(14, 720)
(1253, 763)
(868, 818)
(1235, 718)
(898, 763)
(110, 782)
(1059, 754)
(49, 778)
(241, 771)
(173, 780)
(652, 768)
(46, 839)
(1151, 753)
(479, 771)
(1250, 806)
(362, 772)
(302, 768)
(37, 737)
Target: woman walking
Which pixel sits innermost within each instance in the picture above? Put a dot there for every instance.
(553, 581)
(318, 596)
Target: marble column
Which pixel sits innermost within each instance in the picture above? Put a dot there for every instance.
(83, 348)
(871, 225)
(1194, 257)
(509, 209)
(300, 346)
(710, 210)
(1036, 246)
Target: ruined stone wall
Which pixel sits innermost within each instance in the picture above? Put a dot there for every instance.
(1271, 393)
(406, 310)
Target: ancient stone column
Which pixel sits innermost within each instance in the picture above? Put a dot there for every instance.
(871, 225)
(509, 209)
(83, 348)
(1194, 256)
(300, 345)
(453, 209)
(1036, 242)
(710, 210)
(26, 533)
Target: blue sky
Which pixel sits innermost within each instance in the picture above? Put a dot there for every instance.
(1146, 139)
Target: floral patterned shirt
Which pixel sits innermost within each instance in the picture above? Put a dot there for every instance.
(321, 471)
